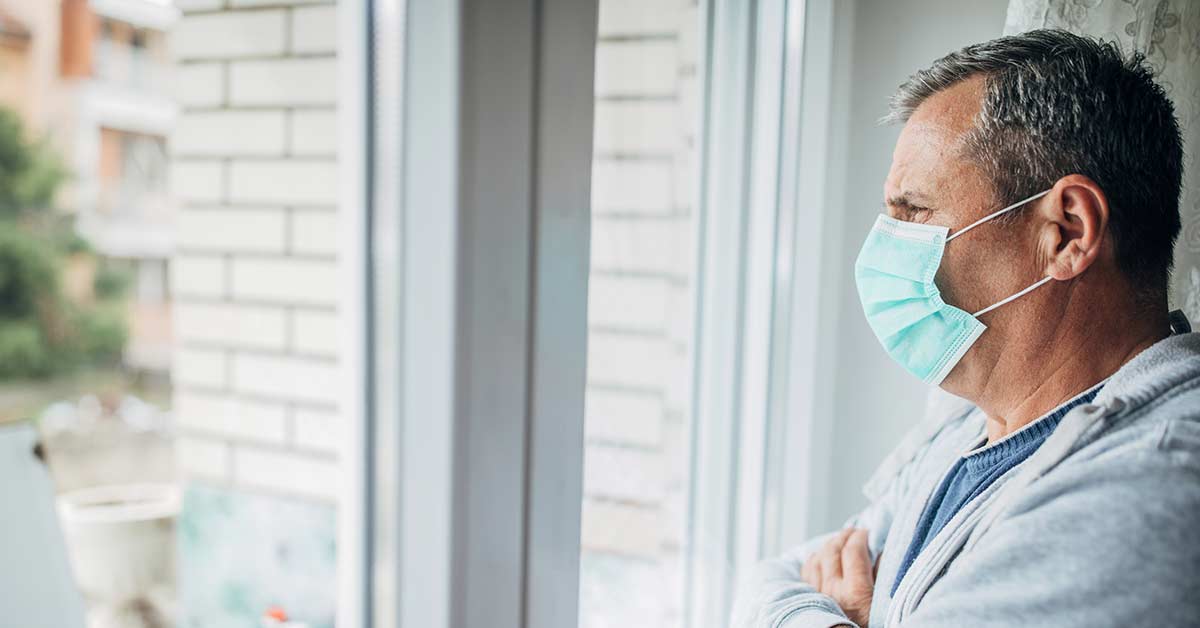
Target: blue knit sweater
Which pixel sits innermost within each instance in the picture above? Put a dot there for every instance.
(974, 472)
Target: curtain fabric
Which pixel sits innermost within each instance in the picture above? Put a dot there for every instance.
(1168, 33)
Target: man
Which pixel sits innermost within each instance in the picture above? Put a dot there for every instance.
(1032, 208)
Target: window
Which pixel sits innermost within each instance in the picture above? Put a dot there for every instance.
(641, 295)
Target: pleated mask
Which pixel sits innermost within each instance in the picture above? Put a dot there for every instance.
(903, 305)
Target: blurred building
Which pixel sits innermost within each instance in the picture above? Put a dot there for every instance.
(93, 76)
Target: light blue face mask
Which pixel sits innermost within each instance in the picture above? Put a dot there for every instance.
(904, 307)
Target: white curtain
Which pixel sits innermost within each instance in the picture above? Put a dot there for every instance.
(1168, 33)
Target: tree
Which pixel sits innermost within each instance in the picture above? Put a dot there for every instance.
(41, 331)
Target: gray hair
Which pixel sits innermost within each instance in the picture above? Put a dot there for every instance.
(1057, 104)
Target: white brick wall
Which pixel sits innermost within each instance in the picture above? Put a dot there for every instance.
(231, 34)
(285, 377)
(254, 170)
(208, 229)
(640, 301)
(254, 274)
(291, 181)
(230, 133)
(285, 471)
(314, 232)
(283, 82)
(314, 132)
(648, 68)
(285, 280)
(231, 325)
(199, 84)
(310, 29)
(234, 418)
(198, 276)
(633, 186)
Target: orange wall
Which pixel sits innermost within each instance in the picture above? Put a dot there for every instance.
(79, 30)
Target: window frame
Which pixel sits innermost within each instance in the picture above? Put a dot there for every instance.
(761, 395)
(467, 128)
(766, 80)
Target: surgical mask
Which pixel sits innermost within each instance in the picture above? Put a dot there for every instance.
(895, 272)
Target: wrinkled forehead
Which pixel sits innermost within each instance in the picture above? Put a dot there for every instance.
(929, 152)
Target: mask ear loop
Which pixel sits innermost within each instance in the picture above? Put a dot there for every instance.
(1014, 297)
(996, 213)
(986, 218)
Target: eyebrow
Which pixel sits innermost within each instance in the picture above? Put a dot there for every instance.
(908, 201)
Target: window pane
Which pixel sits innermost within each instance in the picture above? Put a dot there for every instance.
(169, 302)
(640, 315)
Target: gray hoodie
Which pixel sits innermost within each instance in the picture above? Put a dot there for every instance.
(1099, 527)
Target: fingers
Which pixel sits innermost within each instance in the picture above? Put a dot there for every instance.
(856, 558)
(831, 555)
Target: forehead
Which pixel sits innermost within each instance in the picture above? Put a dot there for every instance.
(928, 157)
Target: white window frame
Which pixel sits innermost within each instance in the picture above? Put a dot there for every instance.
(467, 132)
(760, 393)
(431, 232)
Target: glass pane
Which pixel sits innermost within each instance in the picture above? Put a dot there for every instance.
(169, 302)
(640, 315)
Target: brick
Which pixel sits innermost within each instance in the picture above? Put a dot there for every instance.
(239, 419)
(229, 133)
(637, 68)
(199, 84)
(314, 29)
(654, 246)
(289, 472)
(638, 17)
(622, 474)
(629, 302)
(229, 34)
(260, 230)
(231, 325)
(286, 377)
(283, 82)
(318, 430)
(200, 367)
(620, 529)
(196, 180)
(631, 360)
(652, 127)
(315, 332)
(314, 132)
(197, 276)
(285, 281)
(284, 182)
(633, 186)
(624, 418)
(314, 232)
(204, 457)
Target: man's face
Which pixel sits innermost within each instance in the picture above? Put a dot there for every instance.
(931, 181)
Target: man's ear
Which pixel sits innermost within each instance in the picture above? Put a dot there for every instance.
(1073, 226)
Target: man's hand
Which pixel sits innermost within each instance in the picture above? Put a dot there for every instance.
(842, 570)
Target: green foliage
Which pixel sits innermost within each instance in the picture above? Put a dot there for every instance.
(23, 350)
(42, 332)
(30, 173)
(111, 282)
(28, 274)
(102, 333)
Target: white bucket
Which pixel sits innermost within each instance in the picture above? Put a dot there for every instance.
(121, 542)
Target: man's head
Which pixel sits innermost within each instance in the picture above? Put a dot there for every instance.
(997, 122)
